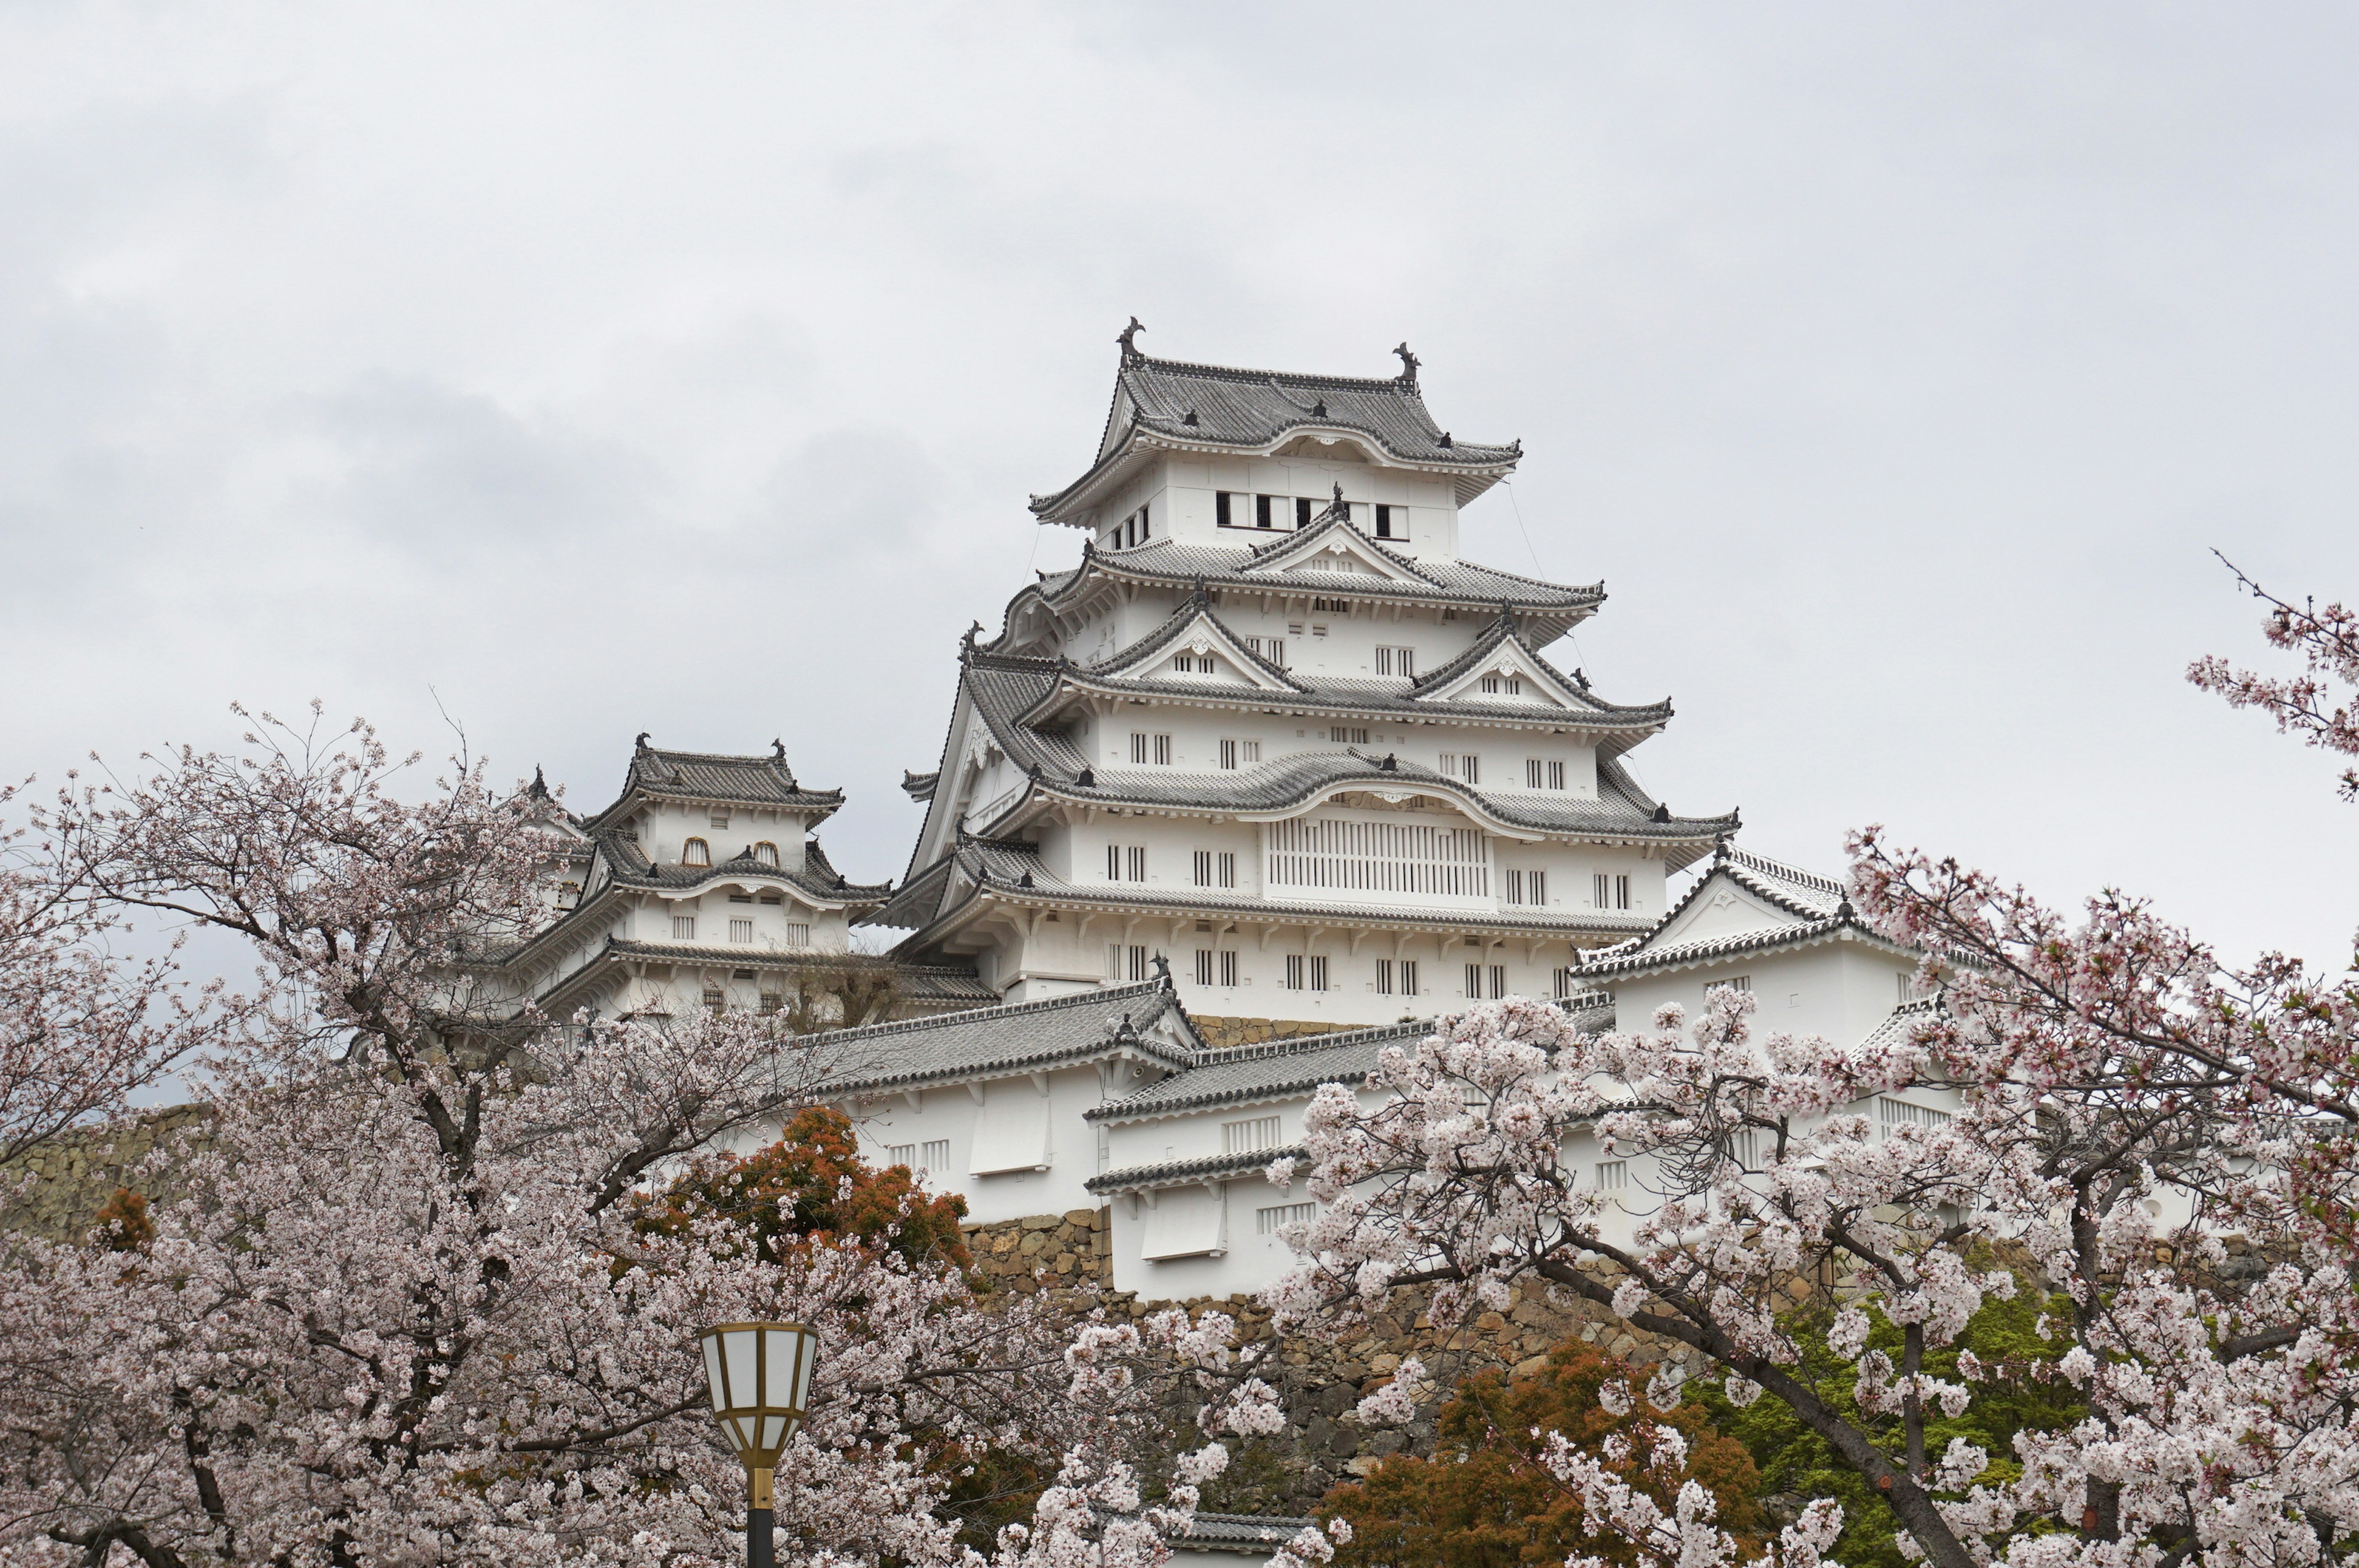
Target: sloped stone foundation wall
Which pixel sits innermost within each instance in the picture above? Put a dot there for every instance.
(1320, 1384)
(1220, 1034)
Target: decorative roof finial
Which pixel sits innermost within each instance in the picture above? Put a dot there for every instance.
(1409, 363)
(1337, 506)
(540, 790)
(1444, 442)
(641, 743)
(1130, 354)
(1662, 811)
(966, 643)
(778, 749)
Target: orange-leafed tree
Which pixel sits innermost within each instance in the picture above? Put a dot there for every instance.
(1484, 1500)
(812, 1183)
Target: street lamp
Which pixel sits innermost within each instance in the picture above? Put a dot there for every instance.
(760, 1374)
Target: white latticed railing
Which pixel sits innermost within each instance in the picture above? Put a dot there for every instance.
(1337, 855)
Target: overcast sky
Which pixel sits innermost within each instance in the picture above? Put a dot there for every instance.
(584, 369)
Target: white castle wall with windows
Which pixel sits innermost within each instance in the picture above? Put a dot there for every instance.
(1271, 751)
(1275, 730)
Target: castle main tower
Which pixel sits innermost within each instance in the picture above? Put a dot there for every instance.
(1275, 731)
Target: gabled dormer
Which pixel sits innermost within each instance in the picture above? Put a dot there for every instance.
(1194, 648)
(1746, 894)
(1332, 546)
(699, 809)
(1502, 668)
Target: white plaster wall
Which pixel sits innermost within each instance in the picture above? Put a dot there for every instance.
(1252, 1259)
(1178, 494)
(714, 908)
(951, 1113)
(1103, 736)
(665, 825)
(1838, 989)
(1171, 842)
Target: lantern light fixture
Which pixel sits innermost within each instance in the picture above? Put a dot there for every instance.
(760, 1377)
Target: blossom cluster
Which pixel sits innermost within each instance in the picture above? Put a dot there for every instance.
(392, 1305)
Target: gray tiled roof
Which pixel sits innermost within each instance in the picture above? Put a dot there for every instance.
(1207, 1167)
(1257, 1534)
(933, 982)
(1022, 1037)
(1789, 886)
(817, 878)
(703, 775)
(1453, 583)
(1632, 960)
(919, 786)
(1893, 1031)
(1250, 409)
(920, 984)
(1005, 689)
(1262, 1072)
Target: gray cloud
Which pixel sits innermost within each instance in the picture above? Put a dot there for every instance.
(589, 370)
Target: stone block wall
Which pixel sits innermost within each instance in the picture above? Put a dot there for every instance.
(1320, 1384)
(75, 1176)
(1220, 1034)
(1044, 1250)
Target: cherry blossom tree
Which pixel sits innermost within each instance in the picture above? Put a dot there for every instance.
(83, 1025)
(2164, 1142)
(400, 1311)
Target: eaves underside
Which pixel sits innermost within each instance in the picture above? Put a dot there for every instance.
(1628, 728)
(1111, 470)
(1183, 907)
(1698, 955)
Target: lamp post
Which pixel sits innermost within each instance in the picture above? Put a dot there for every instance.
(760, 1374)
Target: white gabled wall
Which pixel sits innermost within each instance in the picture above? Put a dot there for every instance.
(1841, 990)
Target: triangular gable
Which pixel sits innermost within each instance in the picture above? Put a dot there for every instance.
(1534, 679)
(1201, 638)
(1719, 906)
(1332, 547)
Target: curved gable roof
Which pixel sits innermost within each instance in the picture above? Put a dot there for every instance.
(1177, 402)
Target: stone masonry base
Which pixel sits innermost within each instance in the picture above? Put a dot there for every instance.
(1287, 1474)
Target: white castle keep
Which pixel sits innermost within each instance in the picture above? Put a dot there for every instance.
(1273, 759)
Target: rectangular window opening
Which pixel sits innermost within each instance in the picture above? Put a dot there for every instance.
(1250, 1136)
(1269, 1221)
